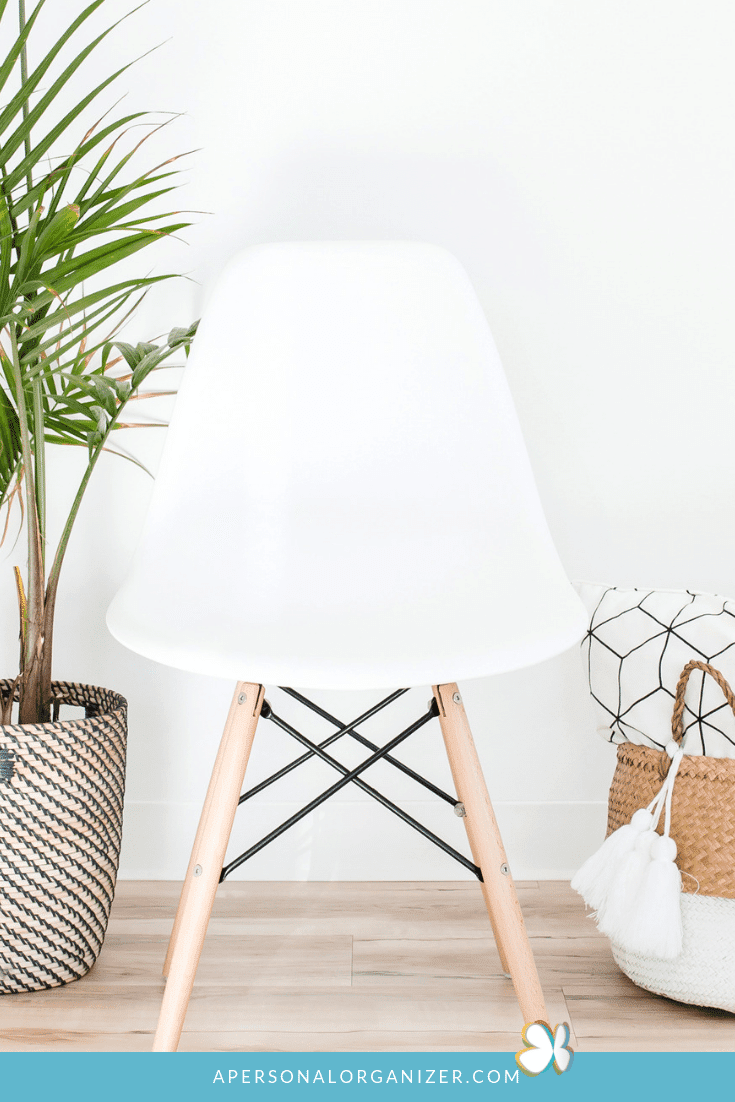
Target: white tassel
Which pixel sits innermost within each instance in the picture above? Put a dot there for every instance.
(613, 915)
(633, 882)
(594, 879)
(653, 926)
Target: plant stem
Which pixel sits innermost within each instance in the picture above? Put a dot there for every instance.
(54, 572)
(53, 577)
(30, 699)
(24, 78)
(39, 447)
(25, 440)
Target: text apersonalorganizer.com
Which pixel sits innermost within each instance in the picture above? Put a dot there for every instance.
(423, 1076)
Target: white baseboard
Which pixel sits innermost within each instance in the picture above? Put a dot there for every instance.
(358, 840)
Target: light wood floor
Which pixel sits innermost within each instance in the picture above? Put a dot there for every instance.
(353, 966)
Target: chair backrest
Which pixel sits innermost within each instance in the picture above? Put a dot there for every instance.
(345, 498)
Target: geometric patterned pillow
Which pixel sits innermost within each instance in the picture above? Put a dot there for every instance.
(638, 642)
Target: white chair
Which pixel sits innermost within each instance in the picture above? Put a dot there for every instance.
(345, 502)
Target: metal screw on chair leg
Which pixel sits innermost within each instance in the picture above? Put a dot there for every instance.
(459, 809)
(505, 869)
(197, 870)
(242, 698)
(457, 698)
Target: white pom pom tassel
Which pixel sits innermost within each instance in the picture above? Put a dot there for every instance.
(633, 881)
(613, 915)
(653, 927)
(594, 879)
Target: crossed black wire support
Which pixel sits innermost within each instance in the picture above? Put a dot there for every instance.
(350, 776)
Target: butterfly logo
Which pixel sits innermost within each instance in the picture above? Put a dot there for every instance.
(545, 1047)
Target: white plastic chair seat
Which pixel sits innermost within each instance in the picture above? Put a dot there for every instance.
(345, 499)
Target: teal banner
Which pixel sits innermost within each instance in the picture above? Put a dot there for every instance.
(267, 1077)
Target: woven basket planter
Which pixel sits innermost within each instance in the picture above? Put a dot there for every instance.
(702, 812)
(703, 827)
(61, 800)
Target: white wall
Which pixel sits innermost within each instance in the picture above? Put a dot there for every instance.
(578, 159)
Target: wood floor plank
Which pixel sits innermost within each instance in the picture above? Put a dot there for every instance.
(229, 959)
(354, 908)
(413, 959)
(58, 1040)
(464, 1006)
(255, 1041)
(357, 1041)
(561, 959)
(649, 1023)
(557, 959)
(454, 963)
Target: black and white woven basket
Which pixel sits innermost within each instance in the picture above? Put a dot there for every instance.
(61, 801)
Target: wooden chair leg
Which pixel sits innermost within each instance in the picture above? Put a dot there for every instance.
(489, 901)
(486, 844)
(201, 828)
(207, 859)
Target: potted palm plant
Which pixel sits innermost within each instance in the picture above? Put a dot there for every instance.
(72, 207)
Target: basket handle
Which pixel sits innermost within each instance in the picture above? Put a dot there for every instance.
(677, 719)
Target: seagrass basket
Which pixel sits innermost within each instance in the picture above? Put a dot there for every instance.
(61, 801)
(703, 827)
(703, 803)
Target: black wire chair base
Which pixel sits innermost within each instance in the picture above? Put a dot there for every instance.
(351, 776)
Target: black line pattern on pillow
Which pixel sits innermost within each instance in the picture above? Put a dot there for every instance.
(638, 642)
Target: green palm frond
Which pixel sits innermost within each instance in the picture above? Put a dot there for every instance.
(73, 205)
